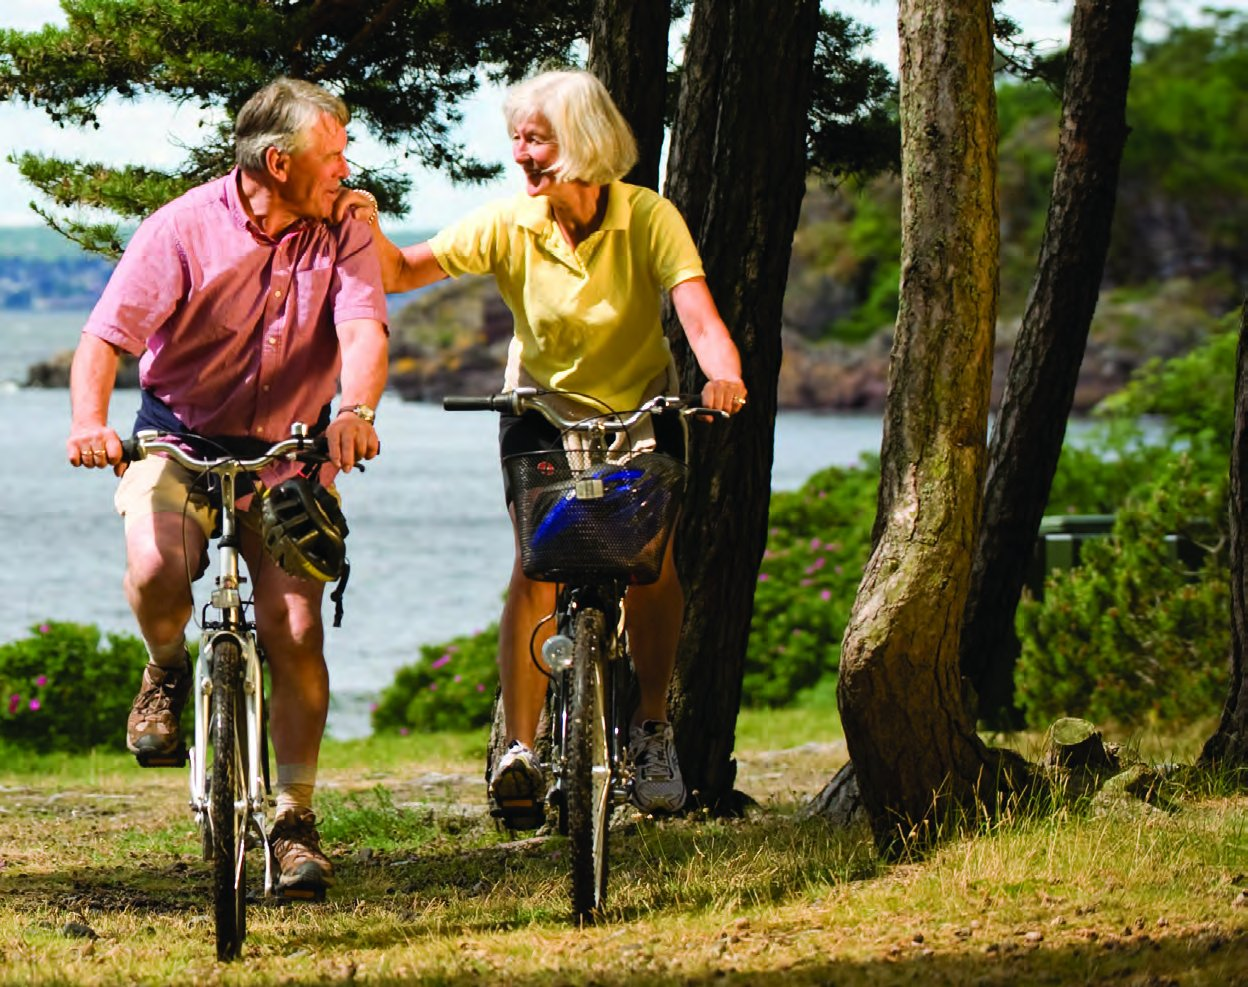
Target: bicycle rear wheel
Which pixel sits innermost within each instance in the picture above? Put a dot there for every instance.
(227, 801)
(588, 768)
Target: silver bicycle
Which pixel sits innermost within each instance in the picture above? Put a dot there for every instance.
(595, 522)
(229, 756)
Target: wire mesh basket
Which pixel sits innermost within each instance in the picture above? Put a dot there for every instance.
(605, 522)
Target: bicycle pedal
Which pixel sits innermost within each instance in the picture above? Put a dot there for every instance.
(166, 759)
(520, 814)
(301, 892)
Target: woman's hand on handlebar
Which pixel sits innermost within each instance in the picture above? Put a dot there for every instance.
(95, 447)
(725, 394)
(351, 440)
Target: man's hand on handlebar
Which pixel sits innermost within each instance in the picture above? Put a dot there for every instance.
(351, 440)
(95, 447)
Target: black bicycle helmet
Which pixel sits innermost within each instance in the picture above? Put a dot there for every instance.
(304, 529)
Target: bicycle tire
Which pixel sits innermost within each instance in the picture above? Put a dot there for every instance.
(227, 800)
(588, 769)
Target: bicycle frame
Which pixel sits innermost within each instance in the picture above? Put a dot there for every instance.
(241, 799)
(226, 598)
(591, 773)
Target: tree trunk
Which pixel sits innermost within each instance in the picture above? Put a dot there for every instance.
(628, 52)
(914, 749)
(736, 172)
(1230, 743)
(1031, 425)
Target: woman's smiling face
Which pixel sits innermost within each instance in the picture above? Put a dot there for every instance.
(534, 149)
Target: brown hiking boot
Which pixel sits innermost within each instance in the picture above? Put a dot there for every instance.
(305, 871)
(152, 729)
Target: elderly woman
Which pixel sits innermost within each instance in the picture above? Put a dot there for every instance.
(581, 259)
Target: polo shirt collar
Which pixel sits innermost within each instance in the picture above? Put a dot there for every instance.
(533, 212)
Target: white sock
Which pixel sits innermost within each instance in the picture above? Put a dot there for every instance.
(171, 655)
(295, 785)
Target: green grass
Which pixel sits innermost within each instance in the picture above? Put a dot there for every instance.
(429, 892)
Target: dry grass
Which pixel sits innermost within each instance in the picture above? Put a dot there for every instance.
(100, 883)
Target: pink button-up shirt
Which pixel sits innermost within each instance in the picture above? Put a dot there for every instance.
(236, 331)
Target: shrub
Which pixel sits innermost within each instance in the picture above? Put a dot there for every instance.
(62, 691)
(817, 546)
(450, 687)
(1134, 633)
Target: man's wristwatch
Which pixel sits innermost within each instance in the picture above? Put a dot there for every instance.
(361, 410)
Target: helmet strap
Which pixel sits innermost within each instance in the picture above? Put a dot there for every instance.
(341, 588)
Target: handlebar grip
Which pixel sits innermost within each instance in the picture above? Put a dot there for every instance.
(131, 450)
(491, 402)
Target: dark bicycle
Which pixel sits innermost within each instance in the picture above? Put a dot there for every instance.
(229, 756)
(593, 522)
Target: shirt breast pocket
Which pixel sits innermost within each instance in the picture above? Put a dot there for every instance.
(311, 289)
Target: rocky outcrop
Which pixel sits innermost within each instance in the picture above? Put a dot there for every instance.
(452, 339)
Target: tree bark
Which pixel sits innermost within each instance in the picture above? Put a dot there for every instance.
(628, 52)
(914, 749)
(736, 172)
(1229, 744)
(1040, 387)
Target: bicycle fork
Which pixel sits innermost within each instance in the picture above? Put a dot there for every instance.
(251, 745)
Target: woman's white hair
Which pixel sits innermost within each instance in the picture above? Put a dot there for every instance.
(280, 115)
(596, 144)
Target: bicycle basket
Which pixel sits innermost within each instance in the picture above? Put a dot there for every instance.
(608, 521)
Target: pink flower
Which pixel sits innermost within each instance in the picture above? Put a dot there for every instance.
(459, 678)
(763, 577)
(480, 687)
(814, 544)
(14, 701)
(825, 595)
(44, 628)
(433, 687)
(404, 731)
(41, 681)
(441, 661)
(34, 705)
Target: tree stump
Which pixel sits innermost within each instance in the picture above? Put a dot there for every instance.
(1075, 743)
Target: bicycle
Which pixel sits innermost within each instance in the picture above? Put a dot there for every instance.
(230, 799)
(594, 526)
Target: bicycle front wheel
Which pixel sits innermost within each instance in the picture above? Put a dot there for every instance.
(227, 800)
(588, 767)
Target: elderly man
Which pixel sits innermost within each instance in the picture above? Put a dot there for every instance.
(248, 312)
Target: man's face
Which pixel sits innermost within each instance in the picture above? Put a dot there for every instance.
(313, 175)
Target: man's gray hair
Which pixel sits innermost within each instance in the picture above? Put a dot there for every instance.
(279, 116)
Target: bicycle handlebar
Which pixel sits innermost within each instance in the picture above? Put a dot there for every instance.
(525, 398)
(298, 446)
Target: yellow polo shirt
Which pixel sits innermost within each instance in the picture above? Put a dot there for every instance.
(587, 320)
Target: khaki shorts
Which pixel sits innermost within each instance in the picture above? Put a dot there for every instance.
(157, 485)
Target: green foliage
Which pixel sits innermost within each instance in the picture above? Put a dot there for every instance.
(1140, 630)
(63, 691)
(854, 127)
(1133, 634)
(817, 546)
(450, 687)
(404, 69)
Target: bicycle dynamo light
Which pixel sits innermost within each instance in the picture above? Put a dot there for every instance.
(304, 530)
(557, 652)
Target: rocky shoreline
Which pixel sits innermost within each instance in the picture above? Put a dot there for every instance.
(453, 339)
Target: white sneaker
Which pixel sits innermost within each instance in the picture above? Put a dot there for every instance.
(657, 785)
(518, 788)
